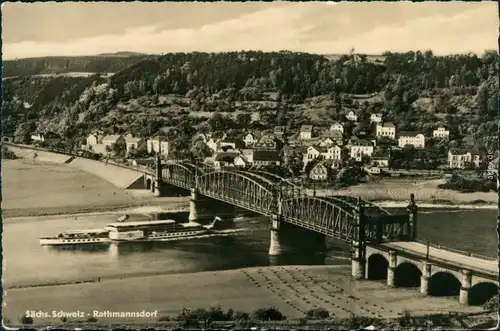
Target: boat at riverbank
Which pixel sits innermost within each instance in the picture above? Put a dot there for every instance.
(77, 237)
(153, 230)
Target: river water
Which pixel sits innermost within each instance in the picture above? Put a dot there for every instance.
(29, 264)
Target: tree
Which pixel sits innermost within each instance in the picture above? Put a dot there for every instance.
(119, 148)
(200, 150)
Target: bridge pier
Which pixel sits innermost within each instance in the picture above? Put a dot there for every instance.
(358, 261)
(157, 186)
(203, 208)
(391, 269)
(288, 238)
(466, 285)
(424, 279)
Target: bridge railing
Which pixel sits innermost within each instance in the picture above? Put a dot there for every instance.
(457, 251)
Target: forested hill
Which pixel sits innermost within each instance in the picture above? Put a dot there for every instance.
(56, 65)
(416, 91)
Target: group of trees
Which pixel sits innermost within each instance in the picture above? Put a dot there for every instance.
(460, 89)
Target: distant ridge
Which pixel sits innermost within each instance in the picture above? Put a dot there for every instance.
(122, 54)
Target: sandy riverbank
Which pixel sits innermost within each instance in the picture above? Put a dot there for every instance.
(292, 290)
(43, 188)
(396, 193)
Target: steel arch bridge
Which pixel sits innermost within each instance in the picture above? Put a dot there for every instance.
(343, 217)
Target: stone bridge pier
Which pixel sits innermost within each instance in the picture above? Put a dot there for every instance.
(287, 238)
(204, 209)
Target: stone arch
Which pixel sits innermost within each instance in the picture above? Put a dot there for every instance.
(407, 274)
(482, 292)
(377, 267)
(148, 183)
(444, 284)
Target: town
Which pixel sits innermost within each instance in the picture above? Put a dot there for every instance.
(318, 153)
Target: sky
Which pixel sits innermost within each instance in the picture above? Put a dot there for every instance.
(71, 28)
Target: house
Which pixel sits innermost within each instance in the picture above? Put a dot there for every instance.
(225, 159)
(265, 158)
(376, 118)
(373, 170)
(441, 133)
(415, 139)
(279, 131)
(306, 132)
(158, 144)
(133, 143)
(241, 161)
(334, 135)
(47, 137)
(94, 139)
(325, 142)
(269, 142)
(380, 161)
(113, 139)
(323, 169)
(250, 139)
(360, 148)
(385, 130)
(463, 159)
(337, 127)
(217, 144)
(333, 152)
(351, 116)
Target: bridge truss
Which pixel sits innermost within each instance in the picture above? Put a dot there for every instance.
(343, 217)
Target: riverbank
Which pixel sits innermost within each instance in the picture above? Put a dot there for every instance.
(396, 193)
(291, 289)
(48, 188)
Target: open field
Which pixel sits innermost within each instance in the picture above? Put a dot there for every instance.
(292, 290)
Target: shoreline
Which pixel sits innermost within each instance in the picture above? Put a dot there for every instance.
(179, 204)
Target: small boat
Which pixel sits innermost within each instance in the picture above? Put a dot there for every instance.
(77, 237)
(153, 230)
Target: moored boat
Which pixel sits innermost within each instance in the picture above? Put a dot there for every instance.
(77, 237)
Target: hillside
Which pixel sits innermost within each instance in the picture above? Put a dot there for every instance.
(64, 64)
(177, 93)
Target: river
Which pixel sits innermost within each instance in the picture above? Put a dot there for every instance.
(29, 264)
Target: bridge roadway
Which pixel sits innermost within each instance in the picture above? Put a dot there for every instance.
(489, 266)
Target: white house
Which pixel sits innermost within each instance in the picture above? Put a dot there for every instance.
(351, 116)
(337, 127)
(360, 148)
(250, 140)
(94, 139)
(306, 132)
(441, 133)
(461, 159)
(376, 118)
(113, 139)
(411, 138)
(380, 161)
(327, 153)
(158, 144)
(386, 130)
(133, 143)
(216, 145)
(325, 142)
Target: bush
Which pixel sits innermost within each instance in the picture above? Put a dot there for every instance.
(491, 304)
(26, 320)
(317, 314)
(7, 154)
(268, 314)
(240, 315)
(92, 319)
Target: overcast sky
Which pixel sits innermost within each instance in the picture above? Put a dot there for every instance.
(41, 29)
